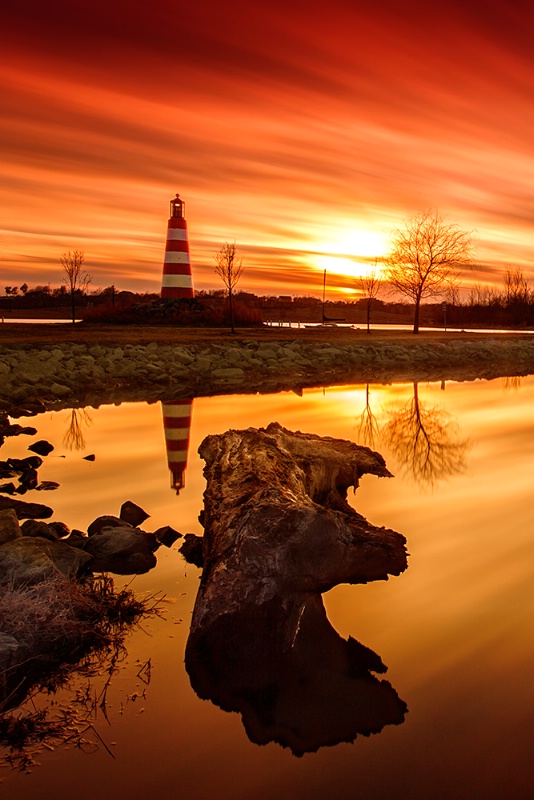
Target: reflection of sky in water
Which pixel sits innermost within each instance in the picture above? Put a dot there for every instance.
(455, 629)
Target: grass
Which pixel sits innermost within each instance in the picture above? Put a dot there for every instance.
(67, 629)
(39, 335)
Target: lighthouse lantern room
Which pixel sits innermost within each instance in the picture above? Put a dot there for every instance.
(177, 207)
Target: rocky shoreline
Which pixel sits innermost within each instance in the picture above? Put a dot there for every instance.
(73, 374)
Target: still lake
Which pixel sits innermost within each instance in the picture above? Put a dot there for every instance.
(455, 630)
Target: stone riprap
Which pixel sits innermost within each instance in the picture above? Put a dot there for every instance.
(75, 373)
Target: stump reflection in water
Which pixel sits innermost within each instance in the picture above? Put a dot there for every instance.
(279, 532)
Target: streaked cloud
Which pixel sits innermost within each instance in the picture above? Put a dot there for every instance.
(282, 125)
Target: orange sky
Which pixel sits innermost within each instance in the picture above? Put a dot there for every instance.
(305, 132)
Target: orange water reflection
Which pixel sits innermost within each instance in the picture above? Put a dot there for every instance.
(455, 630)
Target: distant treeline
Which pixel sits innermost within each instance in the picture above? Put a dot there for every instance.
(512, 307)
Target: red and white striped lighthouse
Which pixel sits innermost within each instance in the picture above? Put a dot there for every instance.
(177, 425)
(177, 281)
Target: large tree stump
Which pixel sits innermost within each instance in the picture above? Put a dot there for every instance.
(278, 532)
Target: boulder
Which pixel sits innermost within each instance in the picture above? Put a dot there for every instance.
(122, 550)
(191, 549)
(60, 528)
(47, 486)
(76, 539)
(22, 464)
(167, 535)
(9, 526)
(11, 653)
(32, 559)
(132, 514)
(105, 521)
(34, 527)
(29, 478)
(41, 447)
(26, 510)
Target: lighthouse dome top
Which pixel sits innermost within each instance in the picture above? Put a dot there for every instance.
(177, 207)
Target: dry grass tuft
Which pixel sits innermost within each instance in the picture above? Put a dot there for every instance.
(57, 622)
(68, 631)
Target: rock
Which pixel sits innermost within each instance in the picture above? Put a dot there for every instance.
(22, 464)
(76, 539)
(90, 457)
(122, 550)
(34, 527)
(31, 559)
(47, 486)
(8, 488)
(59, 390)
(132, 514)
(191, 549)
(26, 510)
(7, 429)
(228, 373)
(105, 521)
(29, 478)
(167, 535)
(9, 526)
(11, 653)
(60, 528)
(41, 447)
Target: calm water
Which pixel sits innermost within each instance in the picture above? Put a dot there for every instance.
(455, 629)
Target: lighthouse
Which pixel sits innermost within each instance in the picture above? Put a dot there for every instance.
(177, 281)
(177, 425)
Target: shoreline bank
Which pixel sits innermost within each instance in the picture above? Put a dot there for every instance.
(162, 364)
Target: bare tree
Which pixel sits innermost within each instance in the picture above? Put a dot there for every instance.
(370, 286)
(75, 278)
(483, 296)
(516, 289)
(426, 257)
(229, 268)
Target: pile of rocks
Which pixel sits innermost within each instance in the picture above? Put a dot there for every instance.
(36, 551)
(74, 372)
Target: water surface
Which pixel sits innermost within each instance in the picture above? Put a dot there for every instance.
(455, 630)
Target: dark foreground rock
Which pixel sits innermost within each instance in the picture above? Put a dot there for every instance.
(26, 510)
(278, 532)
(123, 550)
(32, 559)
(31, 552)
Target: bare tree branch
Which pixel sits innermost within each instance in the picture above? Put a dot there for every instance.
(74, 278)
(370, 285)
(426, 258)
(229, 268)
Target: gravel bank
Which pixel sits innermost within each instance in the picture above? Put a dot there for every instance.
(88, 374)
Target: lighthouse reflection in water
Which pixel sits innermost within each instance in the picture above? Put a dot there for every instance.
(177, 426)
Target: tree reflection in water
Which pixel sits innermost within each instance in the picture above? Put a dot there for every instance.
(512, 383)
(425, 442)
(79, 419)
(368, 430)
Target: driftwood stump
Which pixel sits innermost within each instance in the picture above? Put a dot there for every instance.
(278, 532)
